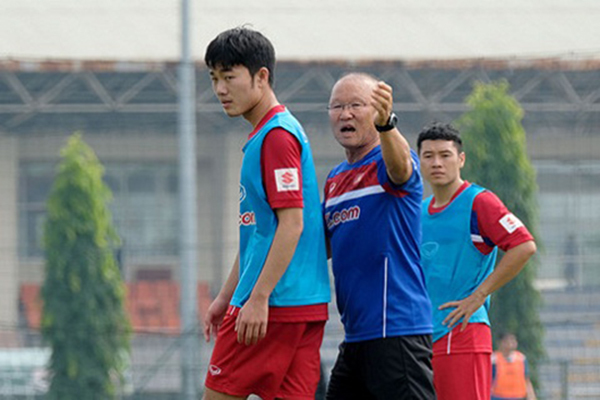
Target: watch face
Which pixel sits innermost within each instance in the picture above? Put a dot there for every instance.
(391, 124)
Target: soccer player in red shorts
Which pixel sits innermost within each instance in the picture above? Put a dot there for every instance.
(463, 226)
(269, 316)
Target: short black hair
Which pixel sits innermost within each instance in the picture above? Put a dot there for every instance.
(440, 131)
(241, 46)
(504, 334)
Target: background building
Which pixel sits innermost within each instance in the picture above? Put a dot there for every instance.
(109, 70)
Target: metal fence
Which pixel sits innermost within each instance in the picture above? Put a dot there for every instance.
(571, 372)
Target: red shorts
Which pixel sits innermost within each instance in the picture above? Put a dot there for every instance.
(462, 364)
(285, 364)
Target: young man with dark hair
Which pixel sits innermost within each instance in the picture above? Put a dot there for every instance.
(372, 213)
(463, 226)
(269, 316)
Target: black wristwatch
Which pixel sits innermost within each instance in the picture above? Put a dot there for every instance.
(390, 124)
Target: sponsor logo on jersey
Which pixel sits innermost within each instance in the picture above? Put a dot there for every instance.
(242, 193)
(510, 223)
(214, 370)
(247, 218)
(429, 250)
(287, 179)
(358, 178)
(342, 216)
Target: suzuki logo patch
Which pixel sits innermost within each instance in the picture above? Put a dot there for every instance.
(510, 223)
(287, 179)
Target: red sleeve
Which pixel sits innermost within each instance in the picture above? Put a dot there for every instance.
(496, 225)
(281, 169)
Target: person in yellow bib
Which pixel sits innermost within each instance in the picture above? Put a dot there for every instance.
(510, 373)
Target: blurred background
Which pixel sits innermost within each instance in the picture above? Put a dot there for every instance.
(110, 70)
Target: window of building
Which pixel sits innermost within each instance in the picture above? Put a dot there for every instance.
(569, 229)
(144, 207)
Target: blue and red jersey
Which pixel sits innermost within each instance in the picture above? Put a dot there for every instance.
(305, 281)
(460, 242)
(490, 222)
(374, 228)
(454, 267)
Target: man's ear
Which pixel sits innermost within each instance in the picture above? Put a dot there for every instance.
(262, 76)
(462, 157)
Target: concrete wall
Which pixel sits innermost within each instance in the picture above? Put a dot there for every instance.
(564, 148)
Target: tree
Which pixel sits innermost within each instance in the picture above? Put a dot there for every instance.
(495, 146)
(83, 320)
